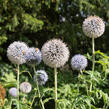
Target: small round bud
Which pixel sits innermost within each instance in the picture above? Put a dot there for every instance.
(25, 87)
(42, 77)
(79, 62)
(13, 91)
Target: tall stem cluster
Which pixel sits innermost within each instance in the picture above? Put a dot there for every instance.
(37, 85)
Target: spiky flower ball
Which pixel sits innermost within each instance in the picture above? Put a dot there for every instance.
(93, 26)
(25, 87)
(55, 53)
(79, 62)
(13, 91)
(16, 51)
(33, 56)
(42, 77)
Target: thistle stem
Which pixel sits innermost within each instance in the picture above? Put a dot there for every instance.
(90, 86)
(81, 72)
(10, 103)
(33, 100)
(93, 61)
(18, 84)
(93, 54)
(37, 85)
(55, 76)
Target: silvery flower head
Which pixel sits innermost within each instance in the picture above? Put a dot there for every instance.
(16, 51)
(25, 87)
(33, 56)
(13, 91)
(42, 77)
(79, 62)
(93, 26)
(55, 53)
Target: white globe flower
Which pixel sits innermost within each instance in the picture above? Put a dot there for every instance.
(93, 26)
(16, 51)
(55, 53)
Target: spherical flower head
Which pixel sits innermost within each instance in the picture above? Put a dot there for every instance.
(55, 53)
(25, 87)
(93, 26)
(13, 91)
(42, 77)
(33, 56)
(16, 51)
(79, 62)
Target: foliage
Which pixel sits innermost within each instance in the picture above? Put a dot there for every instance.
(34, 22)
(39, 20)
(73, 88)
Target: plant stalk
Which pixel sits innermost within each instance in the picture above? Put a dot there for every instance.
(37, 85)
(93, 61)
(18, 84)
(10, 103)
(93, 54)
(55, 76)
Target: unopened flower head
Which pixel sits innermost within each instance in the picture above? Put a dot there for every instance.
(16, 51)
(13, 91)
(55, 53)
(42, 77)
(79, 62)
(93, 26)
(33, 56)
(25, 87)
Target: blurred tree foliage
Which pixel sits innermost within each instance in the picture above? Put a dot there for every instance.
(35, 21)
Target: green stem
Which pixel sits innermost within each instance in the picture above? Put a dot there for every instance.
(93, 61)
(42, 104)
(10, 103)
(33, 100)
(55, 76)
(24, 97)
(93, 54)
(81, 72)
(90, 86)
(18, 84)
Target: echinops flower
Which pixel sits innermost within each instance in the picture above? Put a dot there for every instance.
(55, 53)
(79, 62)
(42, 77)
(93, 26)
(16, 51)
(25, 87)
(33, 56)
(13, 91)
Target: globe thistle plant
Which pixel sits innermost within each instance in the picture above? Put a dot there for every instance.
(55, 54)
(42, 77)
(93, 27)
(13, 91)
(15, 54)
(79, 62)
(16, 51)
(33, 56)
(25, 87)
